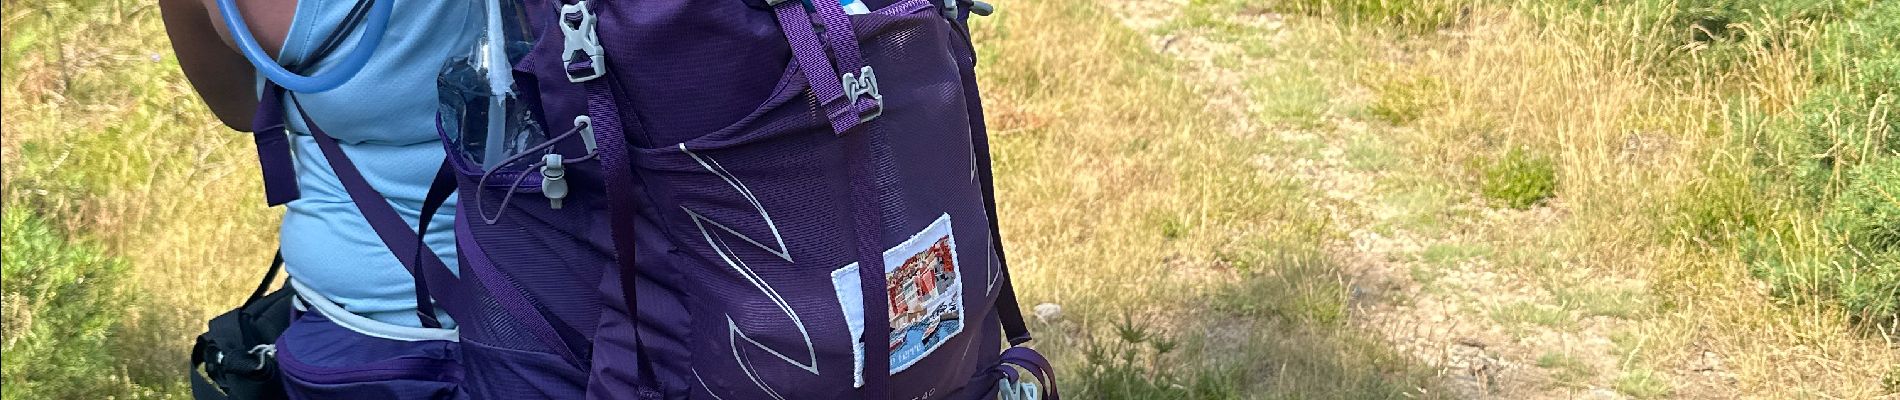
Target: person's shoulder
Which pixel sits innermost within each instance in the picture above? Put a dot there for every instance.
(269, 20)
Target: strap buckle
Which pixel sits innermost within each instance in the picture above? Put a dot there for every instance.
(860, 84)
(581, 52)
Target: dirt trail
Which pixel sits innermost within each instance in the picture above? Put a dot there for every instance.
(1434, 294)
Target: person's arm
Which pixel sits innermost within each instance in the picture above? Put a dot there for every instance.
(221, 76)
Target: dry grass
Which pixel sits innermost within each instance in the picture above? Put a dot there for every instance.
(1130, 197)
(1637, 149)
(107, 144)
(1129, 203)
(1132, 190)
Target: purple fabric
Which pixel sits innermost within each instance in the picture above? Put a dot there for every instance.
(321, 360)
(1006, 306)
(273, 150)
(843, 42)
(809, 52)
(693, 256)
(389, 226)
(1032, 361)
(518, 308)
(617, 167)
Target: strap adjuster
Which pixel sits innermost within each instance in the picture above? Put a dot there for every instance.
(581, 51)
(864, 83)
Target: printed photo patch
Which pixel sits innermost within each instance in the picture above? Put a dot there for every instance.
(925, 296)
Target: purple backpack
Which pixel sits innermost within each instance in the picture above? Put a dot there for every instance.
(759, 199)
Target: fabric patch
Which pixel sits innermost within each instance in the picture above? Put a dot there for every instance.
(925, 295)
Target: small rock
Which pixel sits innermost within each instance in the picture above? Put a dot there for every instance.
(1710, 362)
(1469, 341)
(1602, 394)
(1048, 312)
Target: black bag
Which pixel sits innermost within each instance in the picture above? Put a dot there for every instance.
(238, 354)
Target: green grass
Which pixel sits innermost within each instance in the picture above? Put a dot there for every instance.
(1518, 178)
(131, 216)
(1184, 271)
(1815, 214)
(1428, 205)
(1450, 254)
(115, 176)
(1410, 16)
(1605, 301)
(1527, 313)
(1759, 122)
(63, 302)
(1643, 384)
(1139, 363)
(1566, 370)
(1404, 98)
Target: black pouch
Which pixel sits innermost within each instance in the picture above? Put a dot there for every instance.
(236, 359)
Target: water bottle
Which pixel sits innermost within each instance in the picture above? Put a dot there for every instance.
(481, 109)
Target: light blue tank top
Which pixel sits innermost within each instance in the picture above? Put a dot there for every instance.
(384, 118)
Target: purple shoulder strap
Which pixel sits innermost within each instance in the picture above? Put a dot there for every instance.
(273, 148)
(616, 163)
(1007, 307)
(424, 265)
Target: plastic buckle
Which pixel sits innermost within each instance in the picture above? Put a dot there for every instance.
(577, 28)
(553, 180)
(1024, 390)
(864, 83)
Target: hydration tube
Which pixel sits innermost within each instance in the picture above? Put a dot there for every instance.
(500, 87)
(378, 20)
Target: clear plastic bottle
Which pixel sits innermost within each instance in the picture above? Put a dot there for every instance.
(481, 108)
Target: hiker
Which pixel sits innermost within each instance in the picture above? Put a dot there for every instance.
(711, 199)
(358, 304)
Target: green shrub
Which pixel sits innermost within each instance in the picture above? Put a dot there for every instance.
(1868, 215)
(1712, 19)
(1141, 364)
(1644, 384)
(62, 299)
(1851, 256)
(1404, 98)
(1713, 210)
(1519, 179)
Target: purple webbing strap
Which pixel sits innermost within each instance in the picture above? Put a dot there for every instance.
(867, 226)
(1007, 308)
(506, 294)
(843, 41)
(1032, 361)
(388, 224)
(616, 163)
(809, 52)
(844, 110)
(273, 149)
(846, 114)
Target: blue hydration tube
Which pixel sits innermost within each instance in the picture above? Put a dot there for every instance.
(378, 20)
